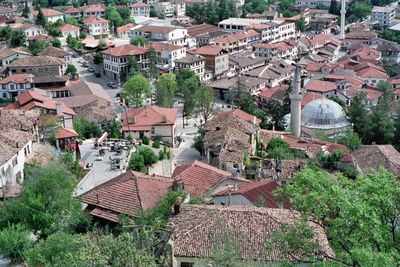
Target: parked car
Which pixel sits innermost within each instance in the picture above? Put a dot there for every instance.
(85, 64)
(75, 55)
(112, 85)
(97, 74)
(91, 69)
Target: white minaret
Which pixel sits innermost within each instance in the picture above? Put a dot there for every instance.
(295, 103)
(342, 18)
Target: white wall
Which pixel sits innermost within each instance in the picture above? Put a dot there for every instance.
(236, 199)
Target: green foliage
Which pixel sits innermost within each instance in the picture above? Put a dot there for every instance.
(255, 6)
(359, 10)
(136, 163)
(156, 144)
(331, 161)
(334, 8)
(169, 154)
(57, 43)
(17, 38)
(46, 205)
(40, 19)
(73, 21)
(358, 114)
(82, 35)
(211, 12)
(153, 62)
(5, 33)
(161, 155)
(198, 140)
(166, 87)
(350, 172)
(301, 24)
(115, 129)
(36, 48)
(145, 140)
(349, 211)
(277, 111)
(114, 17)
(148, 155)
(189, 91)
(247, 104)
(71, 69)
(74, 42)
(279, 149)
(276, 142)
(125, 14)
(338, 100)
(14, 241)
(129, 137)
(139, 41)
(160, 213)
(204, 102)
(246, 159)
(350, 139)
(98, 58)
(396, 125)
(386, 88)
(135, 88)
(87, 129)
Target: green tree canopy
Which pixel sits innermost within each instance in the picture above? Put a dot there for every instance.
(135, 89)
(114, 17)
(71, 69)
(205, 103)
(166, 87)
(360, 216)
(139, 41)
(40, 19)
(57, 43)
(17, 38)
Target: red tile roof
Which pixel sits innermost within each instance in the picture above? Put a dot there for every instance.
(241, 114)
(127, 193)
(140, 5)
(165, 47)
(320, 86)
(209, 50)
(148, 116)
(72, 10)
(226, 39)
(30, 99)
(93, 20)
(252, 191)
(199, 177)
(94, 9)
(352, 80)
(308, 98)
(48, 12)
(41, 38)
(68, 27)
(125, 27)
(17, 78)
(125, 50)
(316, 67)
(372, 72)
(66, 133)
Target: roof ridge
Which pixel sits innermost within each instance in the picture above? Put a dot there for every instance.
(137, 190)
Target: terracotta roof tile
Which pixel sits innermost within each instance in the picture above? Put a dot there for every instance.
(72, 10)
(48, 12)
(125, 50)
(200, 178)
(10, 52)
(241, 114)
(165, 47)
(249, 228)
(139, 5)
(94, 9)
(201, 29)
(93, 20)
(125, 27)
(149, 116)
(210, 50)
(17, 78)
(66, 133)
(320, 86)
(54, 52)
(41, 38)
(12, 141)
(68, 27)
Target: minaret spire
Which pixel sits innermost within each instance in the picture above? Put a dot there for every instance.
(295, 103)
(342, 18)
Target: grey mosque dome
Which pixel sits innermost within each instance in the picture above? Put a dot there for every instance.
(323, 114)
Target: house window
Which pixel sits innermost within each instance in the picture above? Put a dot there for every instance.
(223, 166)
(187, 264)
(235, 166)
(153, 130)
(14, 161)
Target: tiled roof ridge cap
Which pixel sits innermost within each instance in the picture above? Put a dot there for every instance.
(137, 190)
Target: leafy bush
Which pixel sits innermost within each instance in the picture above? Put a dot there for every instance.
(14, 241)
(169, 154)
(145, 140)
(148, 155)
(156, 144)
(129, 137)
(136, 163)
(331, 161)
(161, 155)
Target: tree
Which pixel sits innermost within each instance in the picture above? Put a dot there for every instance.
(350, 139)
(133, 66)
(338, 100)
(36, 48)
(334, 8)
(139, 41)
(247, 104)
(188, 90)
(14, 241)
(358, 114)
(205, 102)
(114, 129)
(73, 21)
(153, 63)
(71, 69)
(301, 24)
(40, 19)
(198, 143)
(148, 155)
(5, 33)
(331, 161)
(135, 88)
(277, 111)
(46, 205)
(17, 38)
(125, 14)
(359, 10)
(349, 211)
(26, 11)
(57, 43)
(166, 87)
(98, 58)
(114, 17)
(386, 88)
(82, 35)
(396, 125)
(380, 123)
(224, 11)
(212, 13)
(136, 163)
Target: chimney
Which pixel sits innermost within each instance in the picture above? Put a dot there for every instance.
(133, 120)
(254, 120)
(164, 119)
(16, 145)
(235, 187)
(59, 109)
(97, 198)
(146, 113)
(177, 205)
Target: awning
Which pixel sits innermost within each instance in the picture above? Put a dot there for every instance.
(102, 138)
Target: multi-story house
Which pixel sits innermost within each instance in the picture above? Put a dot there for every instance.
(314, 43)
(72, 12)
(97, 11)
(69, 29)
(164, 9)
(9, 55)
(167, 54)
(15, 147)
(384, 15)
(276, 51)
(196, 63)
(57, 53)
(180, 9)
(172, 35)
(32, 30)
(116, 60)
(140, 9)
(7, 12)
(123, 31)
(50, 15)
(15, 85)
(314, 3)
(216, 59)
(229, 43)
(97, 27)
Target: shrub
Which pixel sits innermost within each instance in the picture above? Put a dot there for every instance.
(14, 241)
(136, 163)
(156, 144)
(148, 155)
(168, 154)
(165, 149)
(158, 138)
(145, 140)
(161, 155)
(129, 138)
